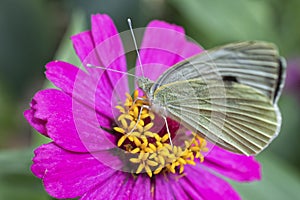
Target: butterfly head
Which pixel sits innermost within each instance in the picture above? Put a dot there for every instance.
(145, 84)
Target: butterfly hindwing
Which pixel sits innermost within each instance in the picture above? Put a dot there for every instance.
(235, 116)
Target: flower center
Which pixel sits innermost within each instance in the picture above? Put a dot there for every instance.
(150, 151)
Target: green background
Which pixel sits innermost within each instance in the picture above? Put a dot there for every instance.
(34, 32)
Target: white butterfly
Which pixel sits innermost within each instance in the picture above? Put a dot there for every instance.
(228, 94)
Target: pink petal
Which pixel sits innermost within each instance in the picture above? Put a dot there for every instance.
(65, 123)
(179, 192)
(119, 186)
(69, 175)
(83, 44)
(163, 46)
(108, 189)
(170, 187)
(110, 51)
(142, 188)
(87, 52)
(85, 88)
(192, 192)
(62, 75)
(162, 189)
(234, 166)
(85, 49)
(207, 184)
(37, 124)
(126, 189)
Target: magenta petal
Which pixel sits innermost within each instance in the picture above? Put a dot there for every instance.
(55, 107)
(207, 184)
(37, 124)
(234, 166)
(190, 49)
(83, 44)
(192, 192)
(83, 87)
(170, 188)
(142, 188)
(163, 46)
(118, 186)
(110, 51)
(66, 174)
(126, 189)
(103, 47)
(86, 50)
(62, 75)
(178, 191)
(162, 189)
(108, 42)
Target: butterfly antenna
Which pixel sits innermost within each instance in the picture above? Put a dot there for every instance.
(112, 70)
(135, 45)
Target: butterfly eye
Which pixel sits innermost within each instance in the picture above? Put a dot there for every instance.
(140, 83)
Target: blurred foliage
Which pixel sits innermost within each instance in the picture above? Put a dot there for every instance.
(30, 33)
(34, 32)
(279, 181)
(223, 22)
(16, 180)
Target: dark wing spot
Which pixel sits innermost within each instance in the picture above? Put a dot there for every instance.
(230, 79)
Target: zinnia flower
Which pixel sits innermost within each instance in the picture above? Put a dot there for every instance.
(99, 151)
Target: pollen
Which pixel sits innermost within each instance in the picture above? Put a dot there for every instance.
(151, 152)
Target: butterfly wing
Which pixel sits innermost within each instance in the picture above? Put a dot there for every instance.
(242, 121)
(253, 63)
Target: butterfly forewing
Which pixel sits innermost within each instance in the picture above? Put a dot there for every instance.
(252, 63)
(243, 121)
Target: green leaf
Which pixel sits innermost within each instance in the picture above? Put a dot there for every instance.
(279, 181)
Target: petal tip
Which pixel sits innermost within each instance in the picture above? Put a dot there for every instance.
(164, 24)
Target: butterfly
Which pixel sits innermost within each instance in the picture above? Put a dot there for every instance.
(228, 94)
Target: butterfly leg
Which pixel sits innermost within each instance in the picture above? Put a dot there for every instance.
(139, 118)
(139, 98)
(167, 126)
